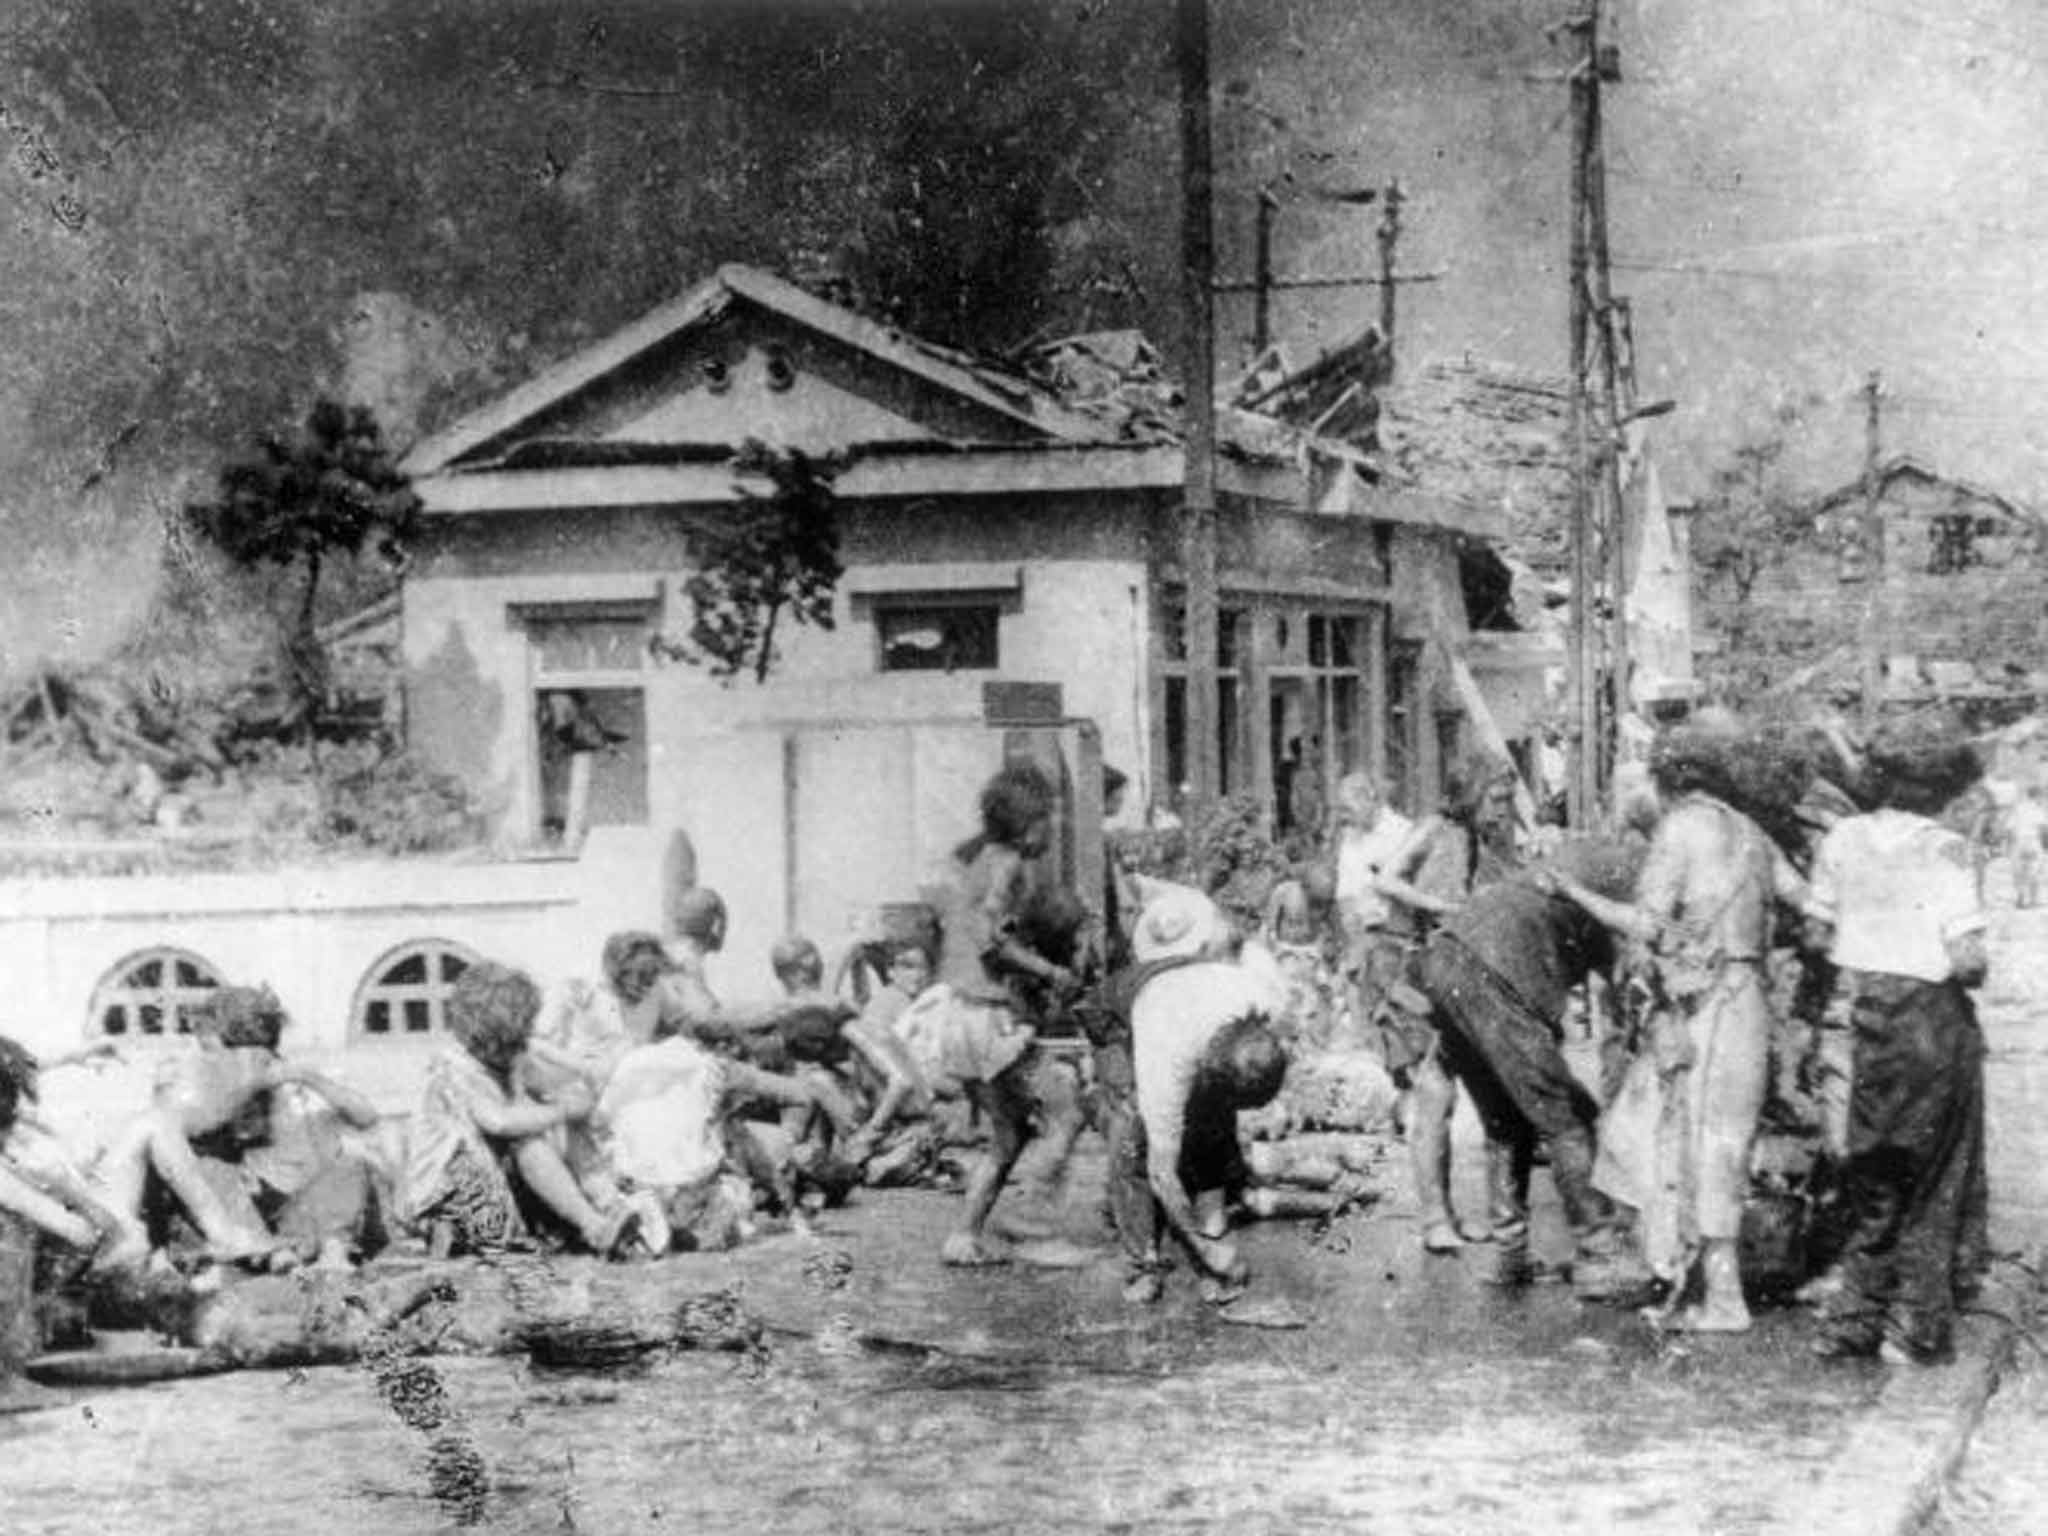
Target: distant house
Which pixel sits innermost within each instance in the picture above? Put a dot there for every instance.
(1964, 596)
(1012, 549)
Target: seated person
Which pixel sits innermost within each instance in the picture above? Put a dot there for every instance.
(892, 1141)
(483, 1155)
(243, 1147)
(40, 1188)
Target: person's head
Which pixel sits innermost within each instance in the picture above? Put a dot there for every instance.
(1921, 766)
(1477, 786)
(1319, 884)
(491, 1009)
(700, 918)
(1358, 801)
(1016, 809)
(910, 967)
(1606, 866)
(240, 1018)
(17, 1081)
(633, 963)
(1114, 782)
(1694, 757)
(797, 963)
(1246, 1062)
(1052, 922)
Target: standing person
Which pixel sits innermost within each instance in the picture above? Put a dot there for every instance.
(1704, 906)
(1467, 844)
(985, 1042)
(1201, 1049)
(1371, 836)
(1497, 974)
(2027, 831)
(1894, 900)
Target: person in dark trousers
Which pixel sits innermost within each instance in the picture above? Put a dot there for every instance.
(1894, 899)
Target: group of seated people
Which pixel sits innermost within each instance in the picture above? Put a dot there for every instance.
(634, 1115)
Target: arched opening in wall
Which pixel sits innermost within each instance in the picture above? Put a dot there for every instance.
(151, 993)
(405, 994)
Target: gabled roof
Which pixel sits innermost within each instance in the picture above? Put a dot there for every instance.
(1904, 466)
(974, 380)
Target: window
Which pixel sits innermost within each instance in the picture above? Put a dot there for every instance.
(938, 635)
(151, 994)
(590, 716)
(406, 992)
(1173, 638)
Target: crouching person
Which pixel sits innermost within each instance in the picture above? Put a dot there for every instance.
(1202, 1049)
(480, 1143)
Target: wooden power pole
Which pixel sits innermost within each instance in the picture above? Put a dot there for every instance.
(1870, 632)
(1583, 791)
(1198, 520)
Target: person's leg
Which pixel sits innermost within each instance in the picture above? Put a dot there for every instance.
(1055, 1089)
(549, 1180)
(1430, 1106)
(1946, 1129)
(1134, 1210)
(1875, 1179)
(1731, 1032)
(334, 1216)
(1006, 1104)
(182, 1172)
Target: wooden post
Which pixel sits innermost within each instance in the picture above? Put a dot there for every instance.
(1389, 235)
(1615, 519)
(1870, 635)
(1198, 275)
(1583, 692)
(1262, 275)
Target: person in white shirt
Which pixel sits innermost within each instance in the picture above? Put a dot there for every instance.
(1894, 899)
(1202, 1048)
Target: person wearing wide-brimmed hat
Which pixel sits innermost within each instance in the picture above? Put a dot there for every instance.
(1202, 1048)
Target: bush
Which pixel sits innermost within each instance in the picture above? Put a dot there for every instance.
(392, 803)
(1223, 851)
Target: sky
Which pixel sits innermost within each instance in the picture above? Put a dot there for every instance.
(212, 209)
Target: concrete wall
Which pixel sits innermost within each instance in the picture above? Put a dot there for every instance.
(1074, 613)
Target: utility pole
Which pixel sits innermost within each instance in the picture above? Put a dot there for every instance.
(1262, 313)
(1198, 520)
(1614, 511)
(1870, 634)
(1583, 792)
(1389, 234)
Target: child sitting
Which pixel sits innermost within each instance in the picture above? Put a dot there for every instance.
(479, 1140)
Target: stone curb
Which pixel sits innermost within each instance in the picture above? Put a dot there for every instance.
(1910, 1440)
(2015, 1301)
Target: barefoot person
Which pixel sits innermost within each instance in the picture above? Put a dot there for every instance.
(479, 1139)
(1895, 902)
(244, 1145)
(1704, 906)
(985, 1042)
(1202, 1049)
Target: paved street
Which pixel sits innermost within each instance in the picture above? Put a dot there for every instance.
(1032, 1400)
